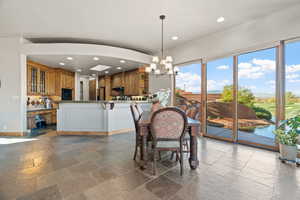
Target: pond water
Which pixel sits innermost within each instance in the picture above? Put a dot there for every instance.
(266, 131)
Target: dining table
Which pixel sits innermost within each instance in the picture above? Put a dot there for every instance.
(193, 129)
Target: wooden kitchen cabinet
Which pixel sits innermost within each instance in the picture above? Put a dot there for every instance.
(116, 80)
(131, 83)
(92, 90)
(48, 115)
(32, 79)
(135, 83)
(64, 79)
(50, 83)
(44, 80)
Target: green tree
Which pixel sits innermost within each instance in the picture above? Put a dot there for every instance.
(290, 97)
(245, 96)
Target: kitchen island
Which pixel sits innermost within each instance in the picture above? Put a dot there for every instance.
(96, 117)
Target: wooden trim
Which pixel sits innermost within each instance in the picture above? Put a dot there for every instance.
(83, 133)
(219, 138)
(16, 134)
(264, 146)
(280, 83)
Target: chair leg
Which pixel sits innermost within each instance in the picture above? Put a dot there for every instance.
(172, 155)
(181, 160)
(136, 148)
(177, 156)
(154, 162)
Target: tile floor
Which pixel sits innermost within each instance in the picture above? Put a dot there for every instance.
(79, 168)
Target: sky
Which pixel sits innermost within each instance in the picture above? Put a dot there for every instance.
(256, 71)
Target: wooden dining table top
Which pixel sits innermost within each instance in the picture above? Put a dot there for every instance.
(145, 120)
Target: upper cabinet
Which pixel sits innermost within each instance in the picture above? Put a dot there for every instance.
(135, 82)
(131, 83)
(43, 80)
(117, 80)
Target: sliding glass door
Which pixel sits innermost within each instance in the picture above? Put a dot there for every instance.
(219, 112)
(292, 70)
(256, 98)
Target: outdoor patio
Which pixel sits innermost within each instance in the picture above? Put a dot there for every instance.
(242, 135)
(101, 167)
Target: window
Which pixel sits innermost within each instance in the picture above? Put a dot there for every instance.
(292, 95)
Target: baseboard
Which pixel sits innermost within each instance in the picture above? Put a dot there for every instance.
(94, 133)
(15, 134)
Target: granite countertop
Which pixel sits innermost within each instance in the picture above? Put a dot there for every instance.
(39, 109)
(103, 102)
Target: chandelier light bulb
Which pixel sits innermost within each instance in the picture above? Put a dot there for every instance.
(176, 69)
(169, 59)
(168, 66)
(153, 66)
(155, 59)
(163, 62)
(157, 71)
(170, 72)
(148, 69)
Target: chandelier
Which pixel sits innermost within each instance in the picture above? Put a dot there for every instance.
(162, 65)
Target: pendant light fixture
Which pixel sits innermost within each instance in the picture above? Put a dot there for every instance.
(162, 65)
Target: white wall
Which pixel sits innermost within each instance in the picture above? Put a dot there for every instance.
(281, 25)
(159, 82)
(13, 86)
(77, 86)
(86, 95)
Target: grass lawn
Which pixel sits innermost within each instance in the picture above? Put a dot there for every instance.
(292, 109)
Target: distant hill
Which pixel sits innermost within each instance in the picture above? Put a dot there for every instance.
(214, 91)
(264, 95)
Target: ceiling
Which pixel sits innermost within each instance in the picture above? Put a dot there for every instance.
(84, 63)
(131, 24)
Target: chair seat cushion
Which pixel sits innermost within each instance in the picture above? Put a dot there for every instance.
(168, 144)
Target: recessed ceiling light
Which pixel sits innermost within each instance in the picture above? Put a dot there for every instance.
(78, 70)
(61, 63)
(119, 67)
(95, 58)
(106, 72)
(100, 68)
(175, 38)
(122, 61)
(69, 58)
(220, 19)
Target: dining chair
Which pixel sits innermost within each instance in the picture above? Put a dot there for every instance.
(136, 116)
(139, 108)
(192, 111)
(168, 127)
(183, 107)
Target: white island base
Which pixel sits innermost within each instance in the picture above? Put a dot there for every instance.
(95, 118)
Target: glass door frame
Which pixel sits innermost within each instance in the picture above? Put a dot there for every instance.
(204, 105)
(279, 96)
